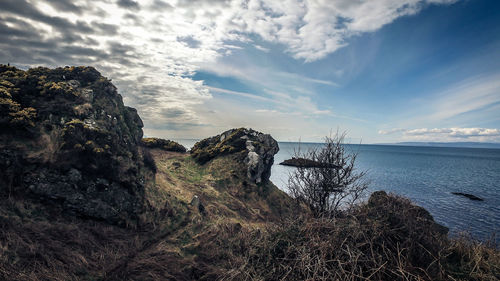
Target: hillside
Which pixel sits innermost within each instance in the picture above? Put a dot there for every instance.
(84, 197)
(81, 194)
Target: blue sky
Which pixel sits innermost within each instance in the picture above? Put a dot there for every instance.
(384, 71)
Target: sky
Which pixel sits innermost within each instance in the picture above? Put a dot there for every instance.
(382, 70)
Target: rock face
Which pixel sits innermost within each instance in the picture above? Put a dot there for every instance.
(66, 137)
(256, 150)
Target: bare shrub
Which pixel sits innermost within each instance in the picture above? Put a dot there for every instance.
(332, 183)
(387, 238)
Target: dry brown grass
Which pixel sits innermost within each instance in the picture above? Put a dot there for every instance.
(386, 239)
(33, 248)
(246, 233)
(469, 259)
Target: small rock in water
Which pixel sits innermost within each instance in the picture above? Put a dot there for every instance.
(470, 196)
(307, 163)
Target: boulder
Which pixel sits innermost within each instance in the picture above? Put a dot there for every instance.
(67, 138)
(254, 149)
(467, 195)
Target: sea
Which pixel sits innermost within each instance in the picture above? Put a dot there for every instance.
(427, 176)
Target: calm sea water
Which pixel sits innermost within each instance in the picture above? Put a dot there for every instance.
(428, 175)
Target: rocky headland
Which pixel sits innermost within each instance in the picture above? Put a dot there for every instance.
(84, 197)
(256, 150)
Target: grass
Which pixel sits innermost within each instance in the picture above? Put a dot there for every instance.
(390, 240)
(247, 232)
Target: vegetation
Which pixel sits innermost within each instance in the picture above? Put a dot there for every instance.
(207, 149)
(387, 238)
(166, 145)
(332, 182)
(40, 242)
(245, 232)
(12, 113)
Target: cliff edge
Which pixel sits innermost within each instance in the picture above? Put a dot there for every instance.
(66, 137)
(255, 149)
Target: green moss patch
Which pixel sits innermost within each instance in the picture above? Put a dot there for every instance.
(207, 149)
(166, 145)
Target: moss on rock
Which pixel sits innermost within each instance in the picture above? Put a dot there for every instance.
(226, 143)
(166, 145)
(254, 149)
(53, 121)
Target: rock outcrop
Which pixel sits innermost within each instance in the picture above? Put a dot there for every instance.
(163, 144)
(467, 195)
(66, 137)
(380, 204)
(307, 163)
(256, 150)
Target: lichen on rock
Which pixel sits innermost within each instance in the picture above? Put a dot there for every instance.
(163, 144)
(255, 149)
(67, 137)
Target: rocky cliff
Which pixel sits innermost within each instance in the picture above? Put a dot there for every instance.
(256, 150)
(66, 137)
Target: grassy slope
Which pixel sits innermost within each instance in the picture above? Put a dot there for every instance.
(232, 237)
(40, 243)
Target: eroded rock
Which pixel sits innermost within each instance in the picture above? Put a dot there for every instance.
(255, 149)
(66, 137)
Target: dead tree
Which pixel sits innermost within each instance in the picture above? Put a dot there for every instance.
(334, 185)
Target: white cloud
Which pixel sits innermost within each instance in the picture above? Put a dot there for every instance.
(447, 134)
(152, 48)
(263, 49)
(391, 131)
(284, 103)
(241, 94)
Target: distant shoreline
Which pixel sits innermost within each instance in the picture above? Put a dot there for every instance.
(488, 145)
(422, 144)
